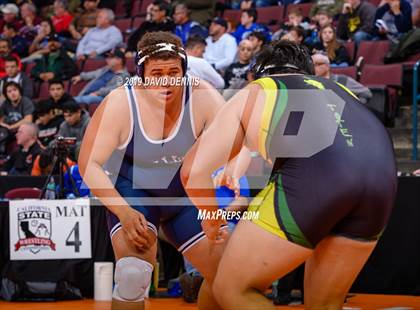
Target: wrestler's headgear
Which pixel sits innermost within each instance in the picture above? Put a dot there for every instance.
(153, 50)
(269, 61)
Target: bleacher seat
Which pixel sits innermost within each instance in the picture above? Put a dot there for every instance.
(42, 90)
(93, 64)
(92, 108)
(349, 71)
(385, 81)
(388, 75)
(119, 9)
(233, 15)
(123, 24)
(23, 193)
(270, 15)
(28, 68)
(74, 89)
(131, 67)
(143, 7)
(79, 64)
(351, 50)
(375, 2)
(411, 60)
(136, 8)
(304, 7)
(137, 22)
(373, 51)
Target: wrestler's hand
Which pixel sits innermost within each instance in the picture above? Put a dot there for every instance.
(134, 225)
(229, 181)
(240, 204)
(213, 232)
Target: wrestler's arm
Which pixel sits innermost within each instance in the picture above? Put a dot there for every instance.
(236, 167)
(219, 143)
(103, 135)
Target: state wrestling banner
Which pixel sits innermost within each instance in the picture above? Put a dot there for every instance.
(49, 229)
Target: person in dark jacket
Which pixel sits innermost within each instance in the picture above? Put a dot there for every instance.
(58, 96)
(19, 44)
(337, 53)
(56, 64)
(393, 19)
(48, 122)
(159, 22)
(356, 21)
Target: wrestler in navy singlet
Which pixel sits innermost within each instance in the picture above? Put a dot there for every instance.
(143, 168)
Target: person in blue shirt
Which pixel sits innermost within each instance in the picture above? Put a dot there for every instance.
(248, 25)
(185, 27)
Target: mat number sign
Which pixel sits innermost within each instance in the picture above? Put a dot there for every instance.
(49, 229)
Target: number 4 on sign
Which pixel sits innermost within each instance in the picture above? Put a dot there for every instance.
(76, 241)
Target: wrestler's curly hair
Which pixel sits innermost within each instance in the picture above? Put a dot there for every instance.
(283, 56)
(148, 42)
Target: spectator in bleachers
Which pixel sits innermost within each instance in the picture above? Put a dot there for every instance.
(55, 64)
(31, 20)
(393, 19)
(19, 44)
(58, 96)
(16, 109)
(221, 46)
(21, 161)
(75, 123)
(322, 19)
(235, 74)
(257, 40)
(416, 12)
(295, 18)
(322, 68)
(83, 22)
(295, 34)
(263, 3)
(13, 74)
(333, 7)
(185, 27)
(102, 80)
(201, 11)
(48, 122)
(100, 39)
(160, 21)
(5, 52)
(198, 66)
(11, 15)
(242, 4)
(356, 21)
(336, 52)
(39, 45)
(248, 25)
(61, 18)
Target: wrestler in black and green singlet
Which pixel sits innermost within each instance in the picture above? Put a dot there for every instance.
(347, 188)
